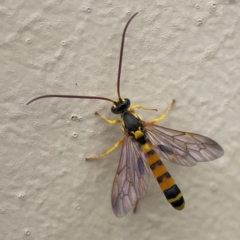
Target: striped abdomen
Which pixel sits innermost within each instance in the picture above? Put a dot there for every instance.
(166, 182)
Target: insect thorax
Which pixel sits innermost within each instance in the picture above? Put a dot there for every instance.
(132, 124)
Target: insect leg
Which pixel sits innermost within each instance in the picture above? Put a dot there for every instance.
(107, 152)
(139, 106)
(135, 206)
(108, 120)
(164, 115)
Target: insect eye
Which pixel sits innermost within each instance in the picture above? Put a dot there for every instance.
(115, 109)
(120, 106)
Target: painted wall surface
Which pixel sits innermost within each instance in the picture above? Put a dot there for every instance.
(182, 50)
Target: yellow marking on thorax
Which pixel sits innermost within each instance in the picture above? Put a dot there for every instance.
(136, 116)
(138, 133)
(123, 124)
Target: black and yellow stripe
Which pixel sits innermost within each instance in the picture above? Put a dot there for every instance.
(166, 182)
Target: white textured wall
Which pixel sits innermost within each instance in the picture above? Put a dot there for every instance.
(186, 50)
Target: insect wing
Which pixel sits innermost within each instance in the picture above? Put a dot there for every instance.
(131, 180)
(183, 148)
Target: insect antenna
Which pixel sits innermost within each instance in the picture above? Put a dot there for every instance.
(121, 55)
(69, 96)
(94, 97)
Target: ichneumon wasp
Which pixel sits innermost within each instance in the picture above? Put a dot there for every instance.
(143, 145)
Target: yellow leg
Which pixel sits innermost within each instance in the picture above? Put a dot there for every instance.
(107, 152)
(109, 121)
(135, 206)
(164, 115)
(139, 106)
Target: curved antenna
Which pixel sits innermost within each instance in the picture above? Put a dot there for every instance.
(121, 54)
(69, 96)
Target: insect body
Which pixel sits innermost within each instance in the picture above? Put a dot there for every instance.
(137, 155)
(143, 144)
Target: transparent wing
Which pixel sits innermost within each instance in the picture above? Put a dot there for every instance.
(183, 148)
(132, 177)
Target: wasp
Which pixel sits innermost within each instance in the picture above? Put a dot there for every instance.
(144, 144)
